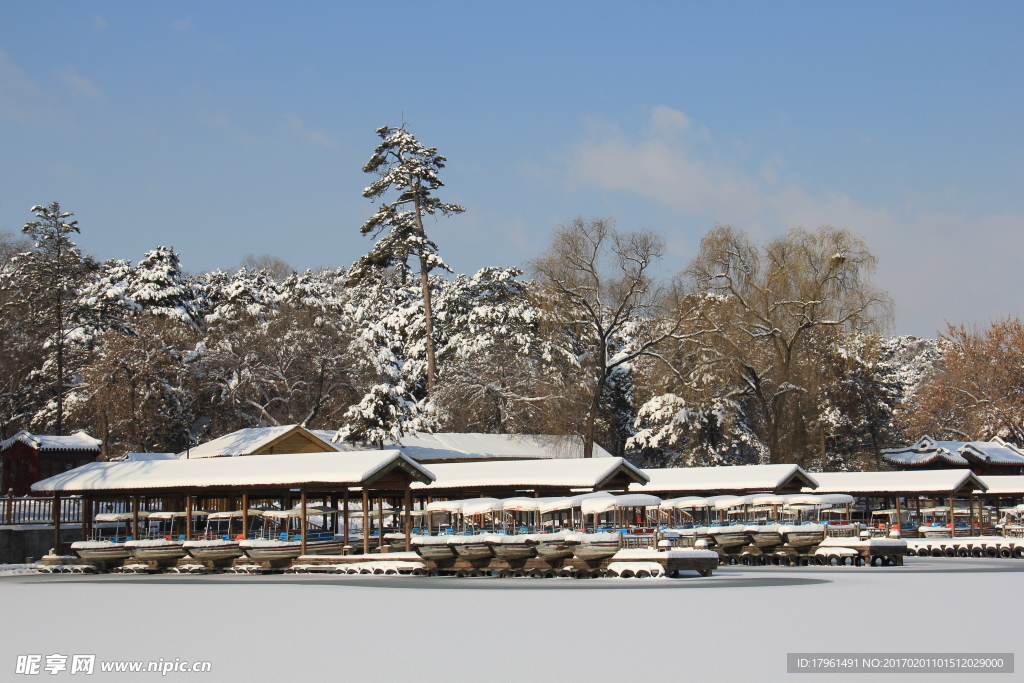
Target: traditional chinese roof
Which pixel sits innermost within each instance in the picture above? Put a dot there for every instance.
(77, 442)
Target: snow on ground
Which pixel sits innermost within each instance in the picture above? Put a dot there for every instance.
(735, 626)
(16, 569)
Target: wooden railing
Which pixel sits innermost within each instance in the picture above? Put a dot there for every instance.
(25, 510)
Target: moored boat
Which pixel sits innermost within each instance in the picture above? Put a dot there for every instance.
(802, 535)
(596, 546)
(108, 543)
(156, 549)
(433, 548)
(553, 546)
(474, 547)
(765, 535)
(730, 536)
(281, 549)
(511, 547)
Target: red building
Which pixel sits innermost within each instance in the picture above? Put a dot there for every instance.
(27, 458)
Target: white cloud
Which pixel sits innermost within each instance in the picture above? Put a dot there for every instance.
(938, 266)
(317, 137)
(79, 84)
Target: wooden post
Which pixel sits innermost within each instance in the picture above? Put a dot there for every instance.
(188, 517)
(245, 515)
(952, 528)
(56, 523)
(135, 517)
(366, 521)
(302, 523)
(899, 515)
(408, 518)
(345, 516)
(83, 505)
(380, 525)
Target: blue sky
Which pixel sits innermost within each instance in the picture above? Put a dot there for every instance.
(228, 128)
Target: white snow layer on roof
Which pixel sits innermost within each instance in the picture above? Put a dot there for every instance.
(576, 473)
(738, 478)
(266, 470)
(1004, 485)
(248, 440)
(470, 446)
(597, 505)
(79, 441)
(150, 456)
(927, 450)
(923, 481)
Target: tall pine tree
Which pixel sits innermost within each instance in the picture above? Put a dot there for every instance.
(410, 169)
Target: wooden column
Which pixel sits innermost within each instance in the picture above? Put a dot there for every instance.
(952, 527)
(302, 523)
(345, 516)
(970, 513)
(380, 525)
(899, 515)
(86, 513)
(408, 518)
(245, 515)
(366, 521)
(188, 517)
(135, 517)
(56, 524)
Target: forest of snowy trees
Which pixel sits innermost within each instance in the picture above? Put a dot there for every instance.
(770, 352)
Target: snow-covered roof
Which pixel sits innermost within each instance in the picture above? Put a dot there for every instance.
(573, 473)
(742, 478)
(1006, 486)
(425, 447)
(79, 441)
(914, 481)
(271, 471)
(149, 456)
(247, 441)
(961, 453)
(601, 504)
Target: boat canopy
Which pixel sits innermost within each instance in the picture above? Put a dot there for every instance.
(726, 502)
(601, 504)
(311, 510)
(767, 499)
(118, 516)
(172, 515)
(568, 502)
(445, 505)
(686, 503)
(520, 504)
(225, 514)
(480, 506)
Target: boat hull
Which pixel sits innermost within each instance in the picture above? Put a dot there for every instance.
(554, 550)
(171, 550)
(108, 551)
(286, 550)
(513, 551)
(766, 539)
(435, 553)
(802, 539)
(218, 551)
(730, 539)
(595, 551)
(475, 551)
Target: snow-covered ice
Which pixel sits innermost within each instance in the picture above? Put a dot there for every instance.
(737, 625)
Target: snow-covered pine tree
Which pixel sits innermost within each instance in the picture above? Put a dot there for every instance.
(160, 287)
(48, 280)
(409, 169)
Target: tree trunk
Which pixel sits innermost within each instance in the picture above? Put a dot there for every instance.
(591, 424)
(429, 325)
(60, 383)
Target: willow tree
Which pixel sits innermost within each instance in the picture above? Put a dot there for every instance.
(777, 306)
(409, 171)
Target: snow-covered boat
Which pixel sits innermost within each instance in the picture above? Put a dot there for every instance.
(218, 542)
(802, 535)
(511, 547)
(730, 536)
(107, 543)
(434, 548)
(282, 549)
(765, 535)
(474, 547)
(553, 546)
(284, 544)
(156, 549)
(596, 546)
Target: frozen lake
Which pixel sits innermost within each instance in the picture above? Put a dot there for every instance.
(737, 625)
